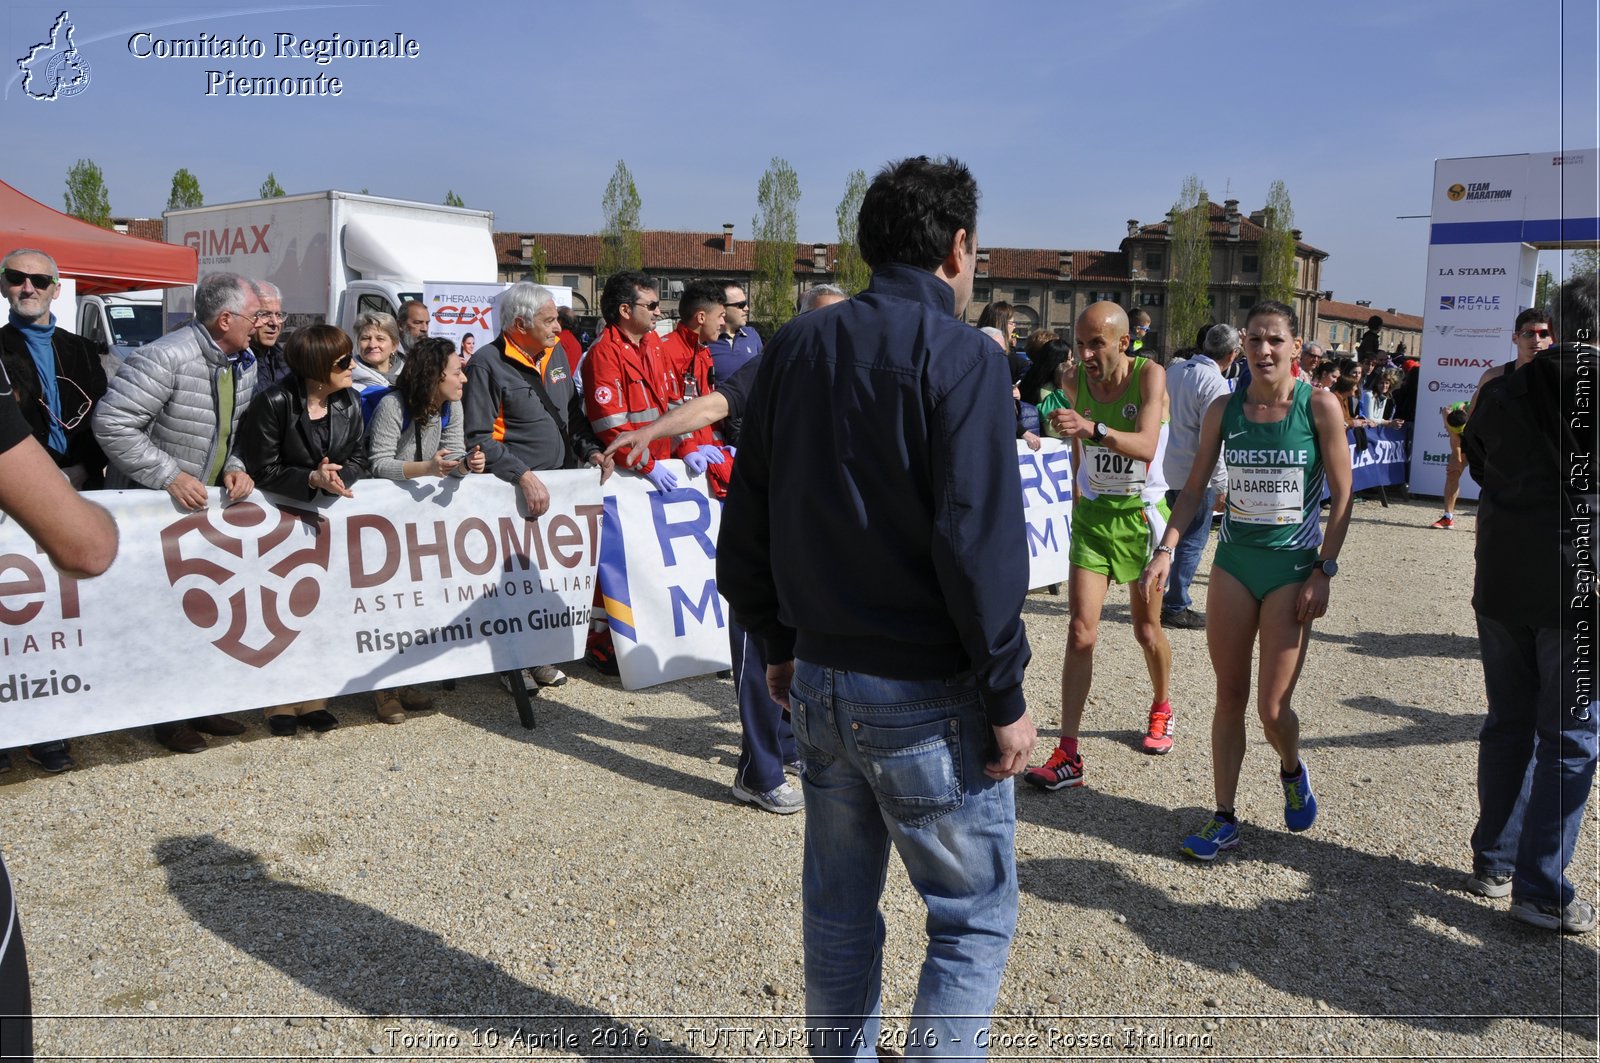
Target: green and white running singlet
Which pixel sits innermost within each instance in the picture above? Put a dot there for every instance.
(1275, 477)
(1106, 479)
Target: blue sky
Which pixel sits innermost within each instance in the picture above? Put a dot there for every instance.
(1074, 116)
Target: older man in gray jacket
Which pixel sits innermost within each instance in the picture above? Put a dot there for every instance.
(169, 419)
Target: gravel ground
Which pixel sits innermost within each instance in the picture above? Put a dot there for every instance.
(589, 888)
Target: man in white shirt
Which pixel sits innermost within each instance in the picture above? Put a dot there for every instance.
(1192, 385)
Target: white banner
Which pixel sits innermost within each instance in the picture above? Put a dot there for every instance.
(658, 564)
(259, 604)
(1473, 297)
(658, 571)
(1047, 489)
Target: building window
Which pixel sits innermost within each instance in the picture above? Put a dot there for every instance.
(1110, 297)
(1023, 295)
(1150, 298)
(1251, 264)
(1152, 259)
(569, 280)
(982, 295)
(1246, 302)
(1063, 295)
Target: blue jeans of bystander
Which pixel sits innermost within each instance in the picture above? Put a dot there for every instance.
(1186, 555)
(1536, 759)
(896, 761)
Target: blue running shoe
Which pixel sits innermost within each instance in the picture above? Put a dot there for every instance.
(1215, 837)
(1299, 803)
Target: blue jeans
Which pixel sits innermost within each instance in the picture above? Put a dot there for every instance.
(1186, 555)
(766, 743)
(1536, 760)
(901, 761)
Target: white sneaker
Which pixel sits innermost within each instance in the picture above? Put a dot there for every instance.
(782, 799)
(547, 675)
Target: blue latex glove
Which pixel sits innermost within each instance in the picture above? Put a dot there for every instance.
(713, 454)
(696, 461)
(661, 478)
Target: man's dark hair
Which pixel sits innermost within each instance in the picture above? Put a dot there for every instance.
(697, 296)
(1534, 315)
(913, 210)
(621, 288)
(568, 319)
(1456, 418)
(1573, 313)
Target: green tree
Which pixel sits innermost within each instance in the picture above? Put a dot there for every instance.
(453, 200)
(1277, 246)
(1541, 289)
(87, 198)
(1583, 260)
(185, 194)
(1190, 232)
(621, 247)
(776, 227)
(271, 189)
(538, 264)
(849, 271)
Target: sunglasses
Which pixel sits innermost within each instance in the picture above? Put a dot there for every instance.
(1533, 333)
(647, 306)
(742, 304)
(341, 364)
(40, 280)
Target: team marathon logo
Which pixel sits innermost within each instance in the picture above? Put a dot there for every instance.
(1475, 190)
(251, 619)
(54, 68)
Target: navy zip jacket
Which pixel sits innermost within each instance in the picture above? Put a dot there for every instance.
(874, 523)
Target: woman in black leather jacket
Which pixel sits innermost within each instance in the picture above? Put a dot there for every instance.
(303, 436)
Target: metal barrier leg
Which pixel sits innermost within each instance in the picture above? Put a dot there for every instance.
(519, 693)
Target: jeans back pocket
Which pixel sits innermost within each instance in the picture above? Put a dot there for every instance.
(915, 769)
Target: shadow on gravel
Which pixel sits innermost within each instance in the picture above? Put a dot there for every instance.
(1410, 644)
(572, 732)
(372, 964)
(1369, 934)
(1424, 727)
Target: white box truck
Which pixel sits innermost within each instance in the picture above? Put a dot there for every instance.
(123, 322)
(334, 255)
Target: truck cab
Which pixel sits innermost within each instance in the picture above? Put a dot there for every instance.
(122, 323)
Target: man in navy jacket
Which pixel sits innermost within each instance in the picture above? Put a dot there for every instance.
(873, 538)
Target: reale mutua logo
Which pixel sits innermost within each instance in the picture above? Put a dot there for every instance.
(54, 68)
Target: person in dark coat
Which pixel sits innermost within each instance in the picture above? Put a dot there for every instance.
(302, 437)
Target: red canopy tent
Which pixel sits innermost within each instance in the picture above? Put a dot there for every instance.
(103, 262)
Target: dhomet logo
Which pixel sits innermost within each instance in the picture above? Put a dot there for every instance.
(1469, 302)
(211, 596)
(54, 68)
(1475, 190)
(1567, 160)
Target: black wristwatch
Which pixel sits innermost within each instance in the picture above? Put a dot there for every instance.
(1100, 431)
(1329, 568)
